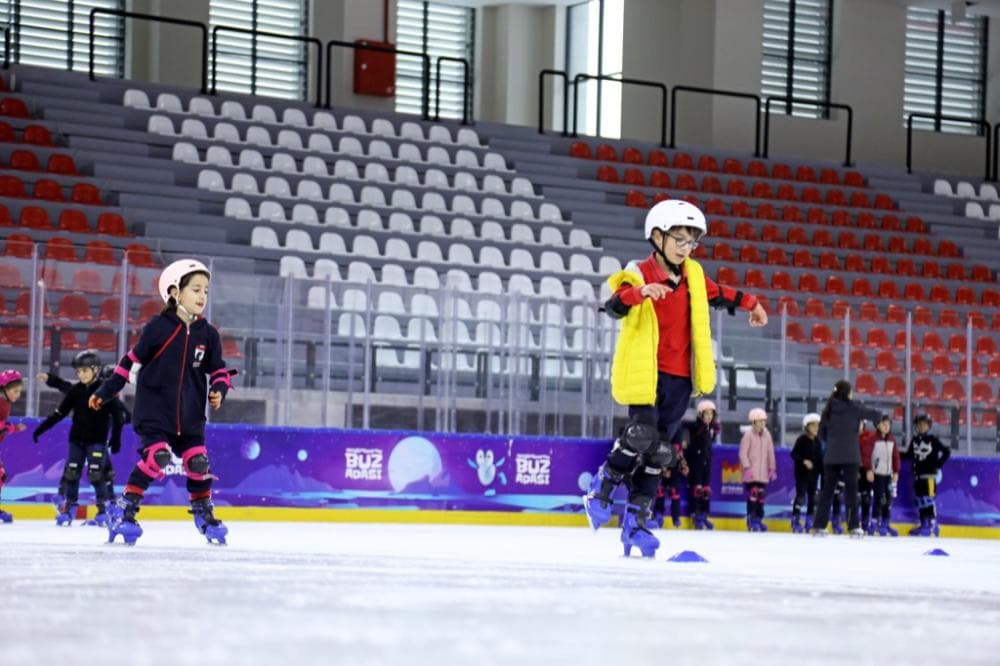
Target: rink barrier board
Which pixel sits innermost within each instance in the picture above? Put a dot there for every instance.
(314, 474)
(485, 518)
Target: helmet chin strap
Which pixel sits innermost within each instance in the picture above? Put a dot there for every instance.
(187, 314)
(674, 268)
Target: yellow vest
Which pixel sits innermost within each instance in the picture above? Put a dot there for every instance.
(634, 367)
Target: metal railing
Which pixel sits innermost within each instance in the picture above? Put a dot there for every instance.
(466, 88)
(981, 124)
(156, 19)
(719, 92)
(580, 78)
(541, 99)
(253, 54)
(810, 102)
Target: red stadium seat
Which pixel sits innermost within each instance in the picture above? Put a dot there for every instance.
(886, 361)
(793, 331)
(10, 276)
(939, 294)
(761, 190)
(754, 279)
(580, 149)
(7, 133)
(110, 309)
(965, 296)
(829, 357)
(49, 273)
(865, 384)
(776, 256)
(835, 285)
(632, 156)
(606, 153)
(88, 280)
(736, 187)
(781, 280)
(942, 365)
(956, 343)
(757, 169)
(839, 308)
(829, 261)
(923, 388)
(991, 297)
(872, 243)
(932, 342)
(716, 207)
(846, 240)
(930, 270)
(923, 246)
(660, 179)
(12, 186)
(139, 255)
(859, 359)
(99, 252)
(815, 308)
(865, 220)
(73, 221)
(24, 160)
(915, 225)
(711, 185)
(981, 273)
(231, 347)
(884, 202)
(894, 386)
(74, 306)
(822, 238)
(952, 389)
(727, 276)
(636, 199)
(821, 334)
(986, 345)
(14, 108)
(855, 263)
(891, 223)
(59, 249)
(805, 174)
(745, 231)
(5, 220)
(876, 339)
(49, 190)
(801, 258)
(781, 171)
(809, 282)
(102, 340)
(707, 163)
(686, 181)
(829, 177)
(722, 252)
(634, 176)
(61, 164)
(916, 361)
(896, 245)
(718, 229)
(787, 193)
(683, 160)
(860, 200)
(607, 173)
(888, 289)
(914, 291)
(869, 312)
(35, 217)
(855, 337)
(835, 197)
(811, 195)
(905, 267)
(895, 314)
(85, 193)
(947, 248)
(657, 158)
(19, 245)
(948, 318)
(750, 254)
(37, 135)
(732, 166)
(791, 213)
(854, 179)
(790, 304)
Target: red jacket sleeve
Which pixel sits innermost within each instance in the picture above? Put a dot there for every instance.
(722, 296)
(867, 444)
(895, 458)
(630, 295)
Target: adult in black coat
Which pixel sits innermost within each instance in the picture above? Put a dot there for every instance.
(839, 425)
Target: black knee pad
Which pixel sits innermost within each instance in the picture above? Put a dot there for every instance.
(72, 472)
(198, 464)
(95, 474)
(662, 455)
(162, 457)
(639, 437)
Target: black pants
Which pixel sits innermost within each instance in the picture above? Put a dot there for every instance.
(831, 473)
(883, 497)
(91, 460)
(806, 481)
(672, 396)
(139, 480)
(755, 499)
(699, 483)
(865, 488)
(925, 490)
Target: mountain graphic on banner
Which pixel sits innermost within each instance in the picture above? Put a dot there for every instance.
(279, 478)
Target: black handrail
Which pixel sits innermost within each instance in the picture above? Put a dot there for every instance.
(466, 107)
(634, 82)
(541, 99)
(982, 124)
(425, 78)
(159, 19)
(809, 102)
(276, 35)
(6, 46)
(722, 93)
(996, 167)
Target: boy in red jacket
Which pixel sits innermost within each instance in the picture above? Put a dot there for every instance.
(880, 471)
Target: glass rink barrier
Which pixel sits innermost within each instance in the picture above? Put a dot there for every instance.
(407, 348)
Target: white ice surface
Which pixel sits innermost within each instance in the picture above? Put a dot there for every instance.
(354, 594)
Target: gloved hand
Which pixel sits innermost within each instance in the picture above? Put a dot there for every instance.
(747, 476)
(892, 489)
(115, 445)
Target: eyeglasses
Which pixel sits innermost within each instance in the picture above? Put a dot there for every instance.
(684, 242)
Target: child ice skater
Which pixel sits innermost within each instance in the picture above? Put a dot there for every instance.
(663, 303)
(11, 386)
(839, 426)
(89, 439)
(807, 455)
(759, 467)
(929, 454)
(181, 357)
(670, 487)
(702, 435)
(880, 462)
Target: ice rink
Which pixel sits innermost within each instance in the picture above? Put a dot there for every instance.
(296, 593)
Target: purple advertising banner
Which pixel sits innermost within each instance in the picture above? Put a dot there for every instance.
(316, 468)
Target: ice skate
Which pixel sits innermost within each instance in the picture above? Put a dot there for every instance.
(634, 535)
(101, 518)
(206, 522)
(751, 524)
(597, 503)
(675, 521)
(817, 532)
(123, 521)
(761, 526)
(809, 524)
(870, 528)
(837, 527)
(796, 525)
(885, 529)
(65, 516)
(919, 529)
(706, 523)
(5, 517)
(928, 528)
(856, 533)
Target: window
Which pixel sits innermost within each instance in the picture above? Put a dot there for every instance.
(796, 53)
(945, 69)
(56, 33)
(594, 46)
(437, 30)
(268, 65)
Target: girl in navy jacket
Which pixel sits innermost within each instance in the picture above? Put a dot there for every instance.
(181, 367)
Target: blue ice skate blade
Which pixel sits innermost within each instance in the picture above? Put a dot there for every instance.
(937, 552)
(686, 556)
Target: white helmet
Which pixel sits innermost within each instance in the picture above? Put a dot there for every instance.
(706, 404)
(757, 414)
(172, 275)
(812, 417)
(674, 213)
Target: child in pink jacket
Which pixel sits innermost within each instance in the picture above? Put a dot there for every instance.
(757, 460)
